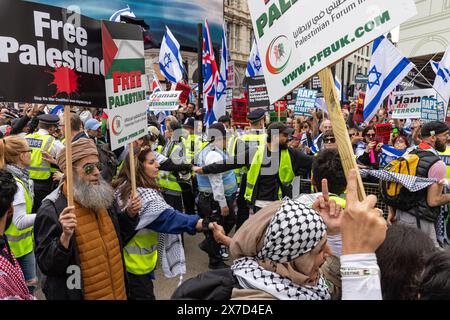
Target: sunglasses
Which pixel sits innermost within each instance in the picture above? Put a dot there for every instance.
(352, 134)
(329, 140)
(89, 168)
(370, 135)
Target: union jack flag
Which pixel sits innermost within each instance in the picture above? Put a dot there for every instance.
(156, 87)
(210, 70)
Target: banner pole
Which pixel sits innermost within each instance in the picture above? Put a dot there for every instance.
(340, 131)
(69, 172)
(132, 170)
(200, 66)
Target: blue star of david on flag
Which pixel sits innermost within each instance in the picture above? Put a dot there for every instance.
(257, 63)
(377, 76)
(221, 88)
(167, 60)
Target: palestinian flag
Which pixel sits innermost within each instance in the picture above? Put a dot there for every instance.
(125, 84)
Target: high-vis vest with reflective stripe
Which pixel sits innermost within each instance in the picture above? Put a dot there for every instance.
(285, 172)
(39, 168)
(445, 156)
(119, 169)
(228, 178)
(258, 139)
(192, 144)
(21, 241)
(340, 201)
(141, 252)
(167, 179)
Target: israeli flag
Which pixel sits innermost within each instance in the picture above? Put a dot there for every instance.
(389, 153)
(170, 61)
(59, 109)
(442, 82)
(338, 86)
(123, 12)
(254, 65)
(315, 146)
(220, 97)
(435, 66)
(388, 67)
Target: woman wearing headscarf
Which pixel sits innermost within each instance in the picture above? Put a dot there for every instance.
(278, 256)
(280, 251)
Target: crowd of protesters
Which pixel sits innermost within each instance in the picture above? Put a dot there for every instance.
(234, 184)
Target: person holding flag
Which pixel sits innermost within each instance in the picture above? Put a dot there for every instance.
(387, 68)
(170, 61)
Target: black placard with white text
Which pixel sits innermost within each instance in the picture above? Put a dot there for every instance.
(50, 55)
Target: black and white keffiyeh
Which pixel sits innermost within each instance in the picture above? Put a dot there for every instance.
(412, 183)
(170, 247)
(293, 231)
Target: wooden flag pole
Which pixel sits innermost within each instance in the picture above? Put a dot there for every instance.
(132, 170)
(69, 172)
(344, 144)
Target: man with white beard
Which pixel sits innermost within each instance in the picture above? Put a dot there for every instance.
(79, 248)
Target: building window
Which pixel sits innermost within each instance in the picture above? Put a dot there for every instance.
(230, 36)
(447, 5)
(237, 35)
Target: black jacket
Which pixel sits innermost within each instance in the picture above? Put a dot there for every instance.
(211, 285)
(53, 259)
(300, 163)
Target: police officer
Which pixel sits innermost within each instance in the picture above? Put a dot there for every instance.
(216, 192)
(43, 143)
(170, 180)
(271, 170)
(192, 145)
(251, 140)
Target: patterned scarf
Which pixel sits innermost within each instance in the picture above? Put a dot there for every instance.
(12, 281)
(294, 230)
(170, 246)
(23, 175)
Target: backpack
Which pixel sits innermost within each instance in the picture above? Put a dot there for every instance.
(109, 161)
(395, 194)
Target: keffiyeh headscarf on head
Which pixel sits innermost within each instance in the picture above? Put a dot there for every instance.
(266, 245)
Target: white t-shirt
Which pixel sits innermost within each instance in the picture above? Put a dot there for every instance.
(21, 219)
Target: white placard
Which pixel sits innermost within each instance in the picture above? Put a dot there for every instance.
(408, 104)
(164, 101)
(298, 38)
